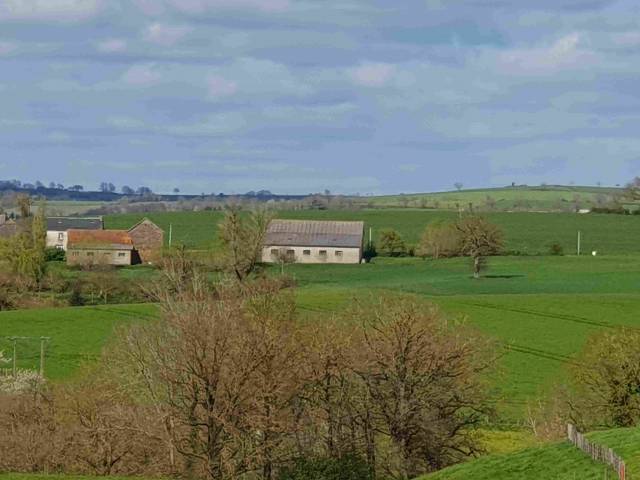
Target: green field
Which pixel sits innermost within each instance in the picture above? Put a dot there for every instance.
(559, 461)
(541, 309)
(77, 334)
(527, 233)
(508, 198)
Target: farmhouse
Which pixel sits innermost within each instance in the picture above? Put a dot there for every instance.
(57, 228)
(148, 239)
(99, 247)
(305, 241)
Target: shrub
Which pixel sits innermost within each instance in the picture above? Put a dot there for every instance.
(392, 244)
(556, 249)
(440, 240)
(345, 468)
(55, 255)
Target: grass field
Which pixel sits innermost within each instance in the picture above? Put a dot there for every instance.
(527, 233)
(77, 334)
(550, 462)
(536, 198)
(559, 461)
(542, 309)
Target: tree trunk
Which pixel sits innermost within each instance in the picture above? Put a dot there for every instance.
(476, 266)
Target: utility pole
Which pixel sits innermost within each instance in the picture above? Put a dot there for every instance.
(579, 240)
(42, 340)
(15, 357)
(170, 233)
(370, 236)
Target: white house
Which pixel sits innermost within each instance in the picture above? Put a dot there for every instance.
(57, 228)
(307, 241)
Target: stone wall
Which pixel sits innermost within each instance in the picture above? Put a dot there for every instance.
(148, 240)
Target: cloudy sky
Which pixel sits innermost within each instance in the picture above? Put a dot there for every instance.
(297, 96)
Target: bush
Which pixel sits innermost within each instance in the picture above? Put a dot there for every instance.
(345, 468)
(556, 249)
(55, 255)
(392, 244)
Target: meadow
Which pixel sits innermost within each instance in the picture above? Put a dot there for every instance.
(550, 197)
(525, 233)
(540, 309)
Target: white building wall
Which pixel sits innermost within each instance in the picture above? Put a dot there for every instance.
(57, 239)
(271, 253)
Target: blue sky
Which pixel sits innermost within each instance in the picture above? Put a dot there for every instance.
(298, 96)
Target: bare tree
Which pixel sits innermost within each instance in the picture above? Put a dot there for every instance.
(479, 239)
(243, 238)
(458, 185)
(423, 382)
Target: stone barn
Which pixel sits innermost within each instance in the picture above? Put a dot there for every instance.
(99, 247)
(148, 239)
(312, 241)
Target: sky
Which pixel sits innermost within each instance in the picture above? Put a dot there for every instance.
(299, 96)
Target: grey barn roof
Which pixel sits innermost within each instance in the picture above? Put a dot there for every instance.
(313, 233)
(62, 224)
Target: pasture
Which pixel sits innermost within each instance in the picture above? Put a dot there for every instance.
(550, 197)
(540, 309)
(525, 233)
(77, 334)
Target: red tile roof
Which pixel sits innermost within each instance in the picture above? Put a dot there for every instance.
(103, 239)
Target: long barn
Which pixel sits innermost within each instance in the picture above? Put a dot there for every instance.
(307, 241)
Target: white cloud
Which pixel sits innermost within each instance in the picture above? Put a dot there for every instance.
(141, 75)
(165, 35)
(254, 77)
(112, 45)
(125, 123)
(39, 10)
(372, 74)
(201, 6)
(564, 54)
(212, 125)
(221, 87)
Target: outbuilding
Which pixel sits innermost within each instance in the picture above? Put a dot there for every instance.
(99, 247)
(313, 241)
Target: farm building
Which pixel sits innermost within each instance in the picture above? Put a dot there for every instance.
(305, 241)
(99, 247)
(148, 239)
(57, 228)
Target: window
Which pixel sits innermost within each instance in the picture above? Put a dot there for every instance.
(60, 236)
(274, 252)
(122, 254)
(323, 253)
(291, 253)
(89, 254)
(306, 253)
(338, 253)
(106, 253)
(75, 254)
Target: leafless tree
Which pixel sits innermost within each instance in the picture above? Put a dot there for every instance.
(423, 381)
(479, 239)
(242, 238)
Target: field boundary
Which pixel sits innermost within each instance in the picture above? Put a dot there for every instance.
(598, 452)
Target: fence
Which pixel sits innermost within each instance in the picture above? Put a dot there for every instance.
(597, 452)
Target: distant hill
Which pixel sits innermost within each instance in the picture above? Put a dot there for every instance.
(542, 198)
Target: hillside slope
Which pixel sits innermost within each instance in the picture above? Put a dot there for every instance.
(559, 461)
(550, 197)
